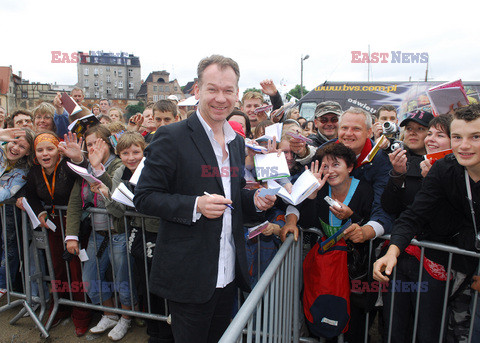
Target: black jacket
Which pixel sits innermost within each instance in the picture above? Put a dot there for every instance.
(441, 213)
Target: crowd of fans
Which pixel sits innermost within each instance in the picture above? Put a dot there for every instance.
(394, 186)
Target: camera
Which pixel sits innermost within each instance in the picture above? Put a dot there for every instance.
(391, 131)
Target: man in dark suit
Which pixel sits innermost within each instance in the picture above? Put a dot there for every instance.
(200, 248)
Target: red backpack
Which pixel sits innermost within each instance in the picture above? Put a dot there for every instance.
(326, 296)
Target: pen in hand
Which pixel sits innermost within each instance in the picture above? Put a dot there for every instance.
(229, 206)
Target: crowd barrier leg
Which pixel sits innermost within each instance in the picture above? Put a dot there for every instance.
(40, 241)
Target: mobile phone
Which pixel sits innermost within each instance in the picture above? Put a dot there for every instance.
(332, 202)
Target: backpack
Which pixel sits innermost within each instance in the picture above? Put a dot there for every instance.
(326, 296)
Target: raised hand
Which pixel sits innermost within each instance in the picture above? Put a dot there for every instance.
(135, 122)
(97, 152)
(268, 87)
(72, 147)
(11, 135)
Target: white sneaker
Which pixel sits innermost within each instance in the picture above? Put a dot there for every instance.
(120, 330)
(107, 322)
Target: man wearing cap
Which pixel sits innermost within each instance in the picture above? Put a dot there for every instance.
(326, 122)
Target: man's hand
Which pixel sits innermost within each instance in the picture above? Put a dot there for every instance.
(476, 283)
(19, 204)
(135, 122)
(289, 228)
(57, 103)
(268, 87)
(272, 229)
(264, 203)
(399, 161)
(298, 147)
(377, 130)
(212, 206)
(386, 264)
(72, 247)
(359, 234)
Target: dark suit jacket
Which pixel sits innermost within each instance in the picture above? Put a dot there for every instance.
(180, 165)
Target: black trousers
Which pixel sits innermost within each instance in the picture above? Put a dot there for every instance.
(203, 323)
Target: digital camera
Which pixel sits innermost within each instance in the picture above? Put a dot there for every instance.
(391, 131)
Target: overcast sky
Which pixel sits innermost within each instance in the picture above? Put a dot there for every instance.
(266, 38)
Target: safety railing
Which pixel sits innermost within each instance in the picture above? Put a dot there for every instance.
(271, 312)
(257, 319)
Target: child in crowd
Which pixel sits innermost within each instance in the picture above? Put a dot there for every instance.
(50, 182)
(16, 157)
(130, 149)
(164, 113)
(105, 231)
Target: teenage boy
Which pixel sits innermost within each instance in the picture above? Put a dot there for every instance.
(164, 113)
(445, 187)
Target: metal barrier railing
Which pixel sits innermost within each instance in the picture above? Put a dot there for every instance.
(271, 310)
(35, 253)
(257, 319)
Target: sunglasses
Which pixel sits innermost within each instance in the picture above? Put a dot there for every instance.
(325, 120)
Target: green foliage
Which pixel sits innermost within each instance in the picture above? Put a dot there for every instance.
(134, 109)
(252, 90)
(296, 92)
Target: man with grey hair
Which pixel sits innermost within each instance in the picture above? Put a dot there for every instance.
(193, 181)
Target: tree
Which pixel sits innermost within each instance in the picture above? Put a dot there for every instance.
(134, 109)
(252, 90)
(296, 92)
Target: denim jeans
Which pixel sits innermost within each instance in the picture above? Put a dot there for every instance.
(117, 256)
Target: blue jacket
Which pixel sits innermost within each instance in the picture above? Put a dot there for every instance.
(12, 180)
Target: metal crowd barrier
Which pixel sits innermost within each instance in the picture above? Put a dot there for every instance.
(269, 315)
(36, 267)
(271, 312)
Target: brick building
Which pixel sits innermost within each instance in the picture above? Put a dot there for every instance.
(158, 86)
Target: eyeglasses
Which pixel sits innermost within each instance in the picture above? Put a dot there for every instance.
(325, 120)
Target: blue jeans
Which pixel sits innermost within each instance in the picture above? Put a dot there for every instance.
(117, 256)
(9, 249)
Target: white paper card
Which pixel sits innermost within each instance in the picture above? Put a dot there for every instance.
(51, 226)
(83, 255)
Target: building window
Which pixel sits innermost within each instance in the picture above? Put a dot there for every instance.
(129, 62)
(167, 89)
(109, 91)
(85, 72)
(107, 68)
(95, 83)
(130, 85)
(101, 82)
(95, 60)
(87, 95)
(120, 84)
(130, 95)
(130, 72)
(85, 83)
(116, 95)
(160, 88)
(101, 71)
(119, 61)
(120, 74)
(114, 72)
(155, 98)
(175, 88)
(24, 95)
(97, 95)
(95, 71)
(162, 97)
(115, 84)
(108, 78)
(154, 88)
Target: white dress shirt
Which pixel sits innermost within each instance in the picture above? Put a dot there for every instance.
(226, 258)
